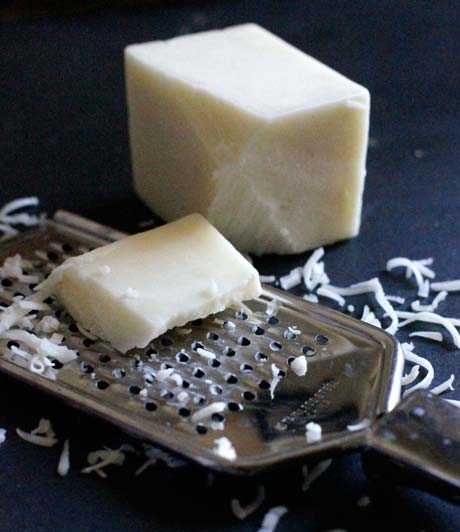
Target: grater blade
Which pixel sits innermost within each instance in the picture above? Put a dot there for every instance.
(354, 369)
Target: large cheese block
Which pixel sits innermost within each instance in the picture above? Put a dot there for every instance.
(133, 290)
(266, 142)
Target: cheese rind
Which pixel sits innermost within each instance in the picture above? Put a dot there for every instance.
(133, 290)
(263, 140)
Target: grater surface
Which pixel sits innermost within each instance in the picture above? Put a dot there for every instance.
(351, 369)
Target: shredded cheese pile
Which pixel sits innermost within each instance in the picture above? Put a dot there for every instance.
(10, 218)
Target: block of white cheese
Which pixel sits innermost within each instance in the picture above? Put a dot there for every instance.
(266, 142)
(133, 290)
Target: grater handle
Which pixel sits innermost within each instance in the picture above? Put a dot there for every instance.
(418, 443)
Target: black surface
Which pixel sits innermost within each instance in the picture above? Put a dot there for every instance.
(63, 138)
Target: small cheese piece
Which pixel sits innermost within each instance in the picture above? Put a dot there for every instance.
(266, 142)
(155, 280)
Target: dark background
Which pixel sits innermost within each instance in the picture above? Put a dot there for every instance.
(63, 137)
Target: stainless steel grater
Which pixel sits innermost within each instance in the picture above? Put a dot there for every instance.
(353, 377)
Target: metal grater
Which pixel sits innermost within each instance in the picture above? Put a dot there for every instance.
(350, 368)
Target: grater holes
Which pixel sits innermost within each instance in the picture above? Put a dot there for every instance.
(290, 335)
(166, 341)
(57, 364)
(258, 330)
(234, 407)
(118, 373)
(246, 368)
(7, 283)
(215, 389)
(87, 342)
(102, 385)
(249, 396)
(11, 344)
(275, 346)
(272, 320)
(244, 341)
(321, 339)
(134, 389)
(212, 336)
(183, 412)
(264, 385)
(214, 363)
(261, 357)
(201, 429)
(104, 358)
(182, 357)
(197, 345)
(185, 384)
(52, 256)
(240, 315)
(228, 325)
(308, 351)
(218, 418)
(151, 352)
(229, 352)
(290, 360)
(198, 322)
(151, 406)
(199, 373)
(167, 395)
(199, 400)
(67, 248)
(165, 365)
(231, 379)
(86, 368)
(72, 327)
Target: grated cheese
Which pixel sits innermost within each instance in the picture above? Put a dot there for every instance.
(9, 218)
(313, 271)
(64, 460)
(205, 353)
(273, 307)
(369, 317)
(208, 411)
(410, 356)
(313, 432)
(267, 279)
(47, 324)
(411, 376)
(292, 279)
(310, 476)
(363, 424)
(323, 291)
(224, 447)
(243, 512)
(299, 365)
(312, 298)
(396, 299)
(98, 460)
(272, 518)
(371, 286)
(42, 435)
(417, 268)
(434, 304)
(444, 386)
(275, 380)
(431, 335)
(430, 317)
(448, 286)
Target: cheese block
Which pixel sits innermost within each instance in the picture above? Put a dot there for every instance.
(266, 142)
(133, 290)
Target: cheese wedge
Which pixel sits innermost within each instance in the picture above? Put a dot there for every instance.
(263, 140)
(131, 291)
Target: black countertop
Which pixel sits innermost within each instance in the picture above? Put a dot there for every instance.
(63, 137)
